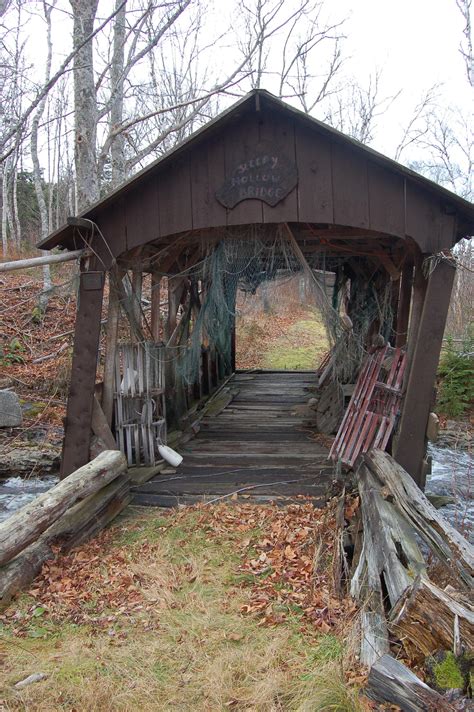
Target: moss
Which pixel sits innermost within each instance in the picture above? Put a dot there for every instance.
(447, 674)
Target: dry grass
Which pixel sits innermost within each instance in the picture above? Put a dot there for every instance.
(187, 646)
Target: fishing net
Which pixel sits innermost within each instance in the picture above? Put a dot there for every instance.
(243, 263)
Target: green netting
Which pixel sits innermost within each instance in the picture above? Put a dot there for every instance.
(243, 262)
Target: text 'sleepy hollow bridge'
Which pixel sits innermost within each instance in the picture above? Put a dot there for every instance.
(260, 192)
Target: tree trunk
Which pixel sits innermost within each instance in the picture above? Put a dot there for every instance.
(30, 521)
(37, 174)
(117, 149)
(85, 105)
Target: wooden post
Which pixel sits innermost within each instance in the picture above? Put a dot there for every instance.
(137, 283)
(406, 283)
(232, 347)
(420, 284)
(115, 275)
(206, 382)
(175, 286)
(395, 286)
(77, 435)
(410, 445)
(155, 306)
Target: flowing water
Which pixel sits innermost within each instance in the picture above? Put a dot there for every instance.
(15, 492)
(452, 475)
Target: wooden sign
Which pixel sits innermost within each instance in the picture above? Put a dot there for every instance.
(266, 175)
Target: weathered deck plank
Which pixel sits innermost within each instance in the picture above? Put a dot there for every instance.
(259, 446)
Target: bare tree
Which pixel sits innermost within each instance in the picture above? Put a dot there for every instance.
(37, 173)
(354, 109)
(466, 44)
(279, 43)
(85, 104)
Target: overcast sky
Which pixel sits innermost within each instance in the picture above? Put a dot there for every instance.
(414, 42)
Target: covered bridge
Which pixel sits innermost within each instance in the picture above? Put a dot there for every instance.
(260, 173)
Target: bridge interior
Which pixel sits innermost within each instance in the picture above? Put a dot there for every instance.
(260, 443)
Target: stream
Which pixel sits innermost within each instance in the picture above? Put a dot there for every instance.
(452, 475)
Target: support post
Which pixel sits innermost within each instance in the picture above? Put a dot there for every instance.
(137, 283)
(155, 306)
(232, 347)
(420, 284)
(206, 381)
(77, 435)
(410, 444)
(404, 300)
(115, 275)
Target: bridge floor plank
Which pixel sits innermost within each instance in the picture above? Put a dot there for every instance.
(261, 446)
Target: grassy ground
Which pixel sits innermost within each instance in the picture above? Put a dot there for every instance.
(203, 609)
(302, 347)
(295, 339)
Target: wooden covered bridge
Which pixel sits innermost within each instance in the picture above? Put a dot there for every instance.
(261, 172)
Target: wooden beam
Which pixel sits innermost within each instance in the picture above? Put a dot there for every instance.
(404, 300)
(77, 435)
(137, 284)
(393, 271)
(410, 445)
(44, 260)
(111, 344)
(420, 284)
(155, 306)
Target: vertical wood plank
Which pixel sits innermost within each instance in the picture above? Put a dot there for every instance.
(111, 344)
(174, 198)
(386, 200)
(142, 213)
(410, 444)
(207, 176)
(83, 371)
(241, 140)
(279, 132)
(350, 187)
(155, 306)
(313, 157)
(404, 300)
(420, 284)
(137, 284)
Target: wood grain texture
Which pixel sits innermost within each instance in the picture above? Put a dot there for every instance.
(350, 187)
(84, 361)
(250, 444)
(313, 160)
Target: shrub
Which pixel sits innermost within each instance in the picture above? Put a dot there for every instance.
(456, 373)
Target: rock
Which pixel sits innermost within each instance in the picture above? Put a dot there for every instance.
(23, 461)
(432, 429)
(313, 403)
(35, 677)
(440, 500)
(10, 410)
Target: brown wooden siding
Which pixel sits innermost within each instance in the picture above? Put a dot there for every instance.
(336, 184)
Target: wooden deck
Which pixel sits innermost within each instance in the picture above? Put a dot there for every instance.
(260, 446)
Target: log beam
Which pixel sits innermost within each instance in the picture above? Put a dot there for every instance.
(410, 445)
(390, 681)
(25, 525)
(44, 260)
